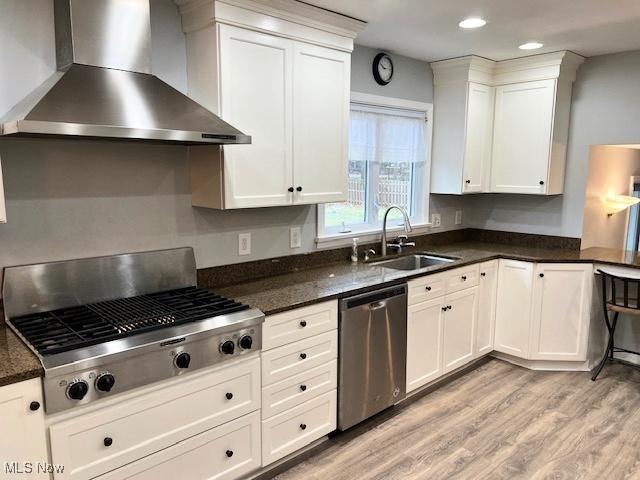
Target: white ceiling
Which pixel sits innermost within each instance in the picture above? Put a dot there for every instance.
(428, 29)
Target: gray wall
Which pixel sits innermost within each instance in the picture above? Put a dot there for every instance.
(68, 199)
(605, 110)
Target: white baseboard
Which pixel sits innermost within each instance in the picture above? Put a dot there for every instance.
(544, 365)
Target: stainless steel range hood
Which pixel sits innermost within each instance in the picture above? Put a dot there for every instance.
(104, 87)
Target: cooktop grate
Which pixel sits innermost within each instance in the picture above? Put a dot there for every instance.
(75, 327)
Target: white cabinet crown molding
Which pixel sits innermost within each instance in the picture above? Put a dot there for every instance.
(288, 18)
(560, 65)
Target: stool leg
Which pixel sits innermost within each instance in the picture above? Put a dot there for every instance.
(608, 354)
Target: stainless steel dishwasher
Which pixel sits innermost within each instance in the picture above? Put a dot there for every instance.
(373, 350)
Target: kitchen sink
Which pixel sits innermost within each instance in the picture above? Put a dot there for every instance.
(414, 262)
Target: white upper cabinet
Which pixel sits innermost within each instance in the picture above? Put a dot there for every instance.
(256, 97)
(561, 311)
(502, 126)
(282, 77)
(321, 91)
(522, 137)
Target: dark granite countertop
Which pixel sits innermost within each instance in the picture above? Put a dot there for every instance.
(286, 291)
(17, 362)
(336, 280)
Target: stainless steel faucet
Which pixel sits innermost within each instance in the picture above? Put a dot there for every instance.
(401, 240)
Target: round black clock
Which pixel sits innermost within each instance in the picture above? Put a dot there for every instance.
(382, 68)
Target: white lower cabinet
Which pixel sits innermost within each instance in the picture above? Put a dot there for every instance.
(22, 429)
(486, 323)
(513, 310)
(299, 379)
(424, 341)
(458, 337)
(229, 451)
(561, 311)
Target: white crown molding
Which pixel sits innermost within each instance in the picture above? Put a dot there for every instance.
(557, 65)
(201, 13)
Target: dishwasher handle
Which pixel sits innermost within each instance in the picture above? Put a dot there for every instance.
(374, 300)
(378, 305)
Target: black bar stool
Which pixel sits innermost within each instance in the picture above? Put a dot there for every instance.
(619, 295)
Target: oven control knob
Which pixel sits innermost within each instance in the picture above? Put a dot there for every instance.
(77, 389)
(182, 360)
(245, 342)
(227, 347)
(105, 382)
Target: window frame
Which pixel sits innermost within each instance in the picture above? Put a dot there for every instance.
(332, 239)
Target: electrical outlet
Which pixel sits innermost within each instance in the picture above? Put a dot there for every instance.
(435, 220)
(244, 244)
(458, 217)
(295, 237)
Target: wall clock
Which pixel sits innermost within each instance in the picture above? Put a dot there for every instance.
(382, 68)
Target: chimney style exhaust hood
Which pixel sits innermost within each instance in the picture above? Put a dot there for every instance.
(104, 87)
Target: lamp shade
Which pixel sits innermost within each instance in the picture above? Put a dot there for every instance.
(617, 203)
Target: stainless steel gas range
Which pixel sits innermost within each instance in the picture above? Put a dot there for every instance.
(105, 325)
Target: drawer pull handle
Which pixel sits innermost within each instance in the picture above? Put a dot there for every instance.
(303, 426)
(303, 323)
(229, 395)
(33, 406)
(229, 453)
(303, 387)
(303, 356)
(464, 278)
(108, 441)
(428, 289)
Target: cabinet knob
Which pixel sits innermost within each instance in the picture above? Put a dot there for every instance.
(303, 387)
(33, 406)
(303, 356)
(290, 189)
(303, 426)
(464, 278)
(108, 441)
(298, 189)
(541, 275)
(541, 182)
(428, 289)
(483, 274)
(444, 309)
(303, 323)
(229, 453)
(229, 395)
(449, 307)
(467, 181)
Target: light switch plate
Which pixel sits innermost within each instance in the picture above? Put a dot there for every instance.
(295, 237)
(244, 244)
(436, 220)
(458, 217)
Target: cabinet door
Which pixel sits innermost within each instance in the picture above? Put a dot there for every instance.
(561, 303)
(522, 137)
(459, 323)
(23, 430)
(487, 291)
(256, 97)
(424, 343)
(479, 128)
(513, 308)
(321, 91)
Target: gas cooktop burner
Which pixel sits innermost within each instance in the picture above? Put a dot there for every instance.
(76, 327)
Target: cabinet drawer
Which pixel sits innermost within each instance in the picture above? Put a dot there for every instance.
(226, 452)
(426, 288)
(154, 421)
(298, 427)
(281, 396)
(298, 357)
(297, 324)
(461, 278)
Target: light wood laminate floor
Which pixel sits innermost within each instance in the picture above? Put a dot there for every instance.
(499, 421)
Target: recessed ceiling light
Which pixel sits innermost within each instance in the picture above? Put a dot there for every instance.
(530, 46)
(473, 22)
